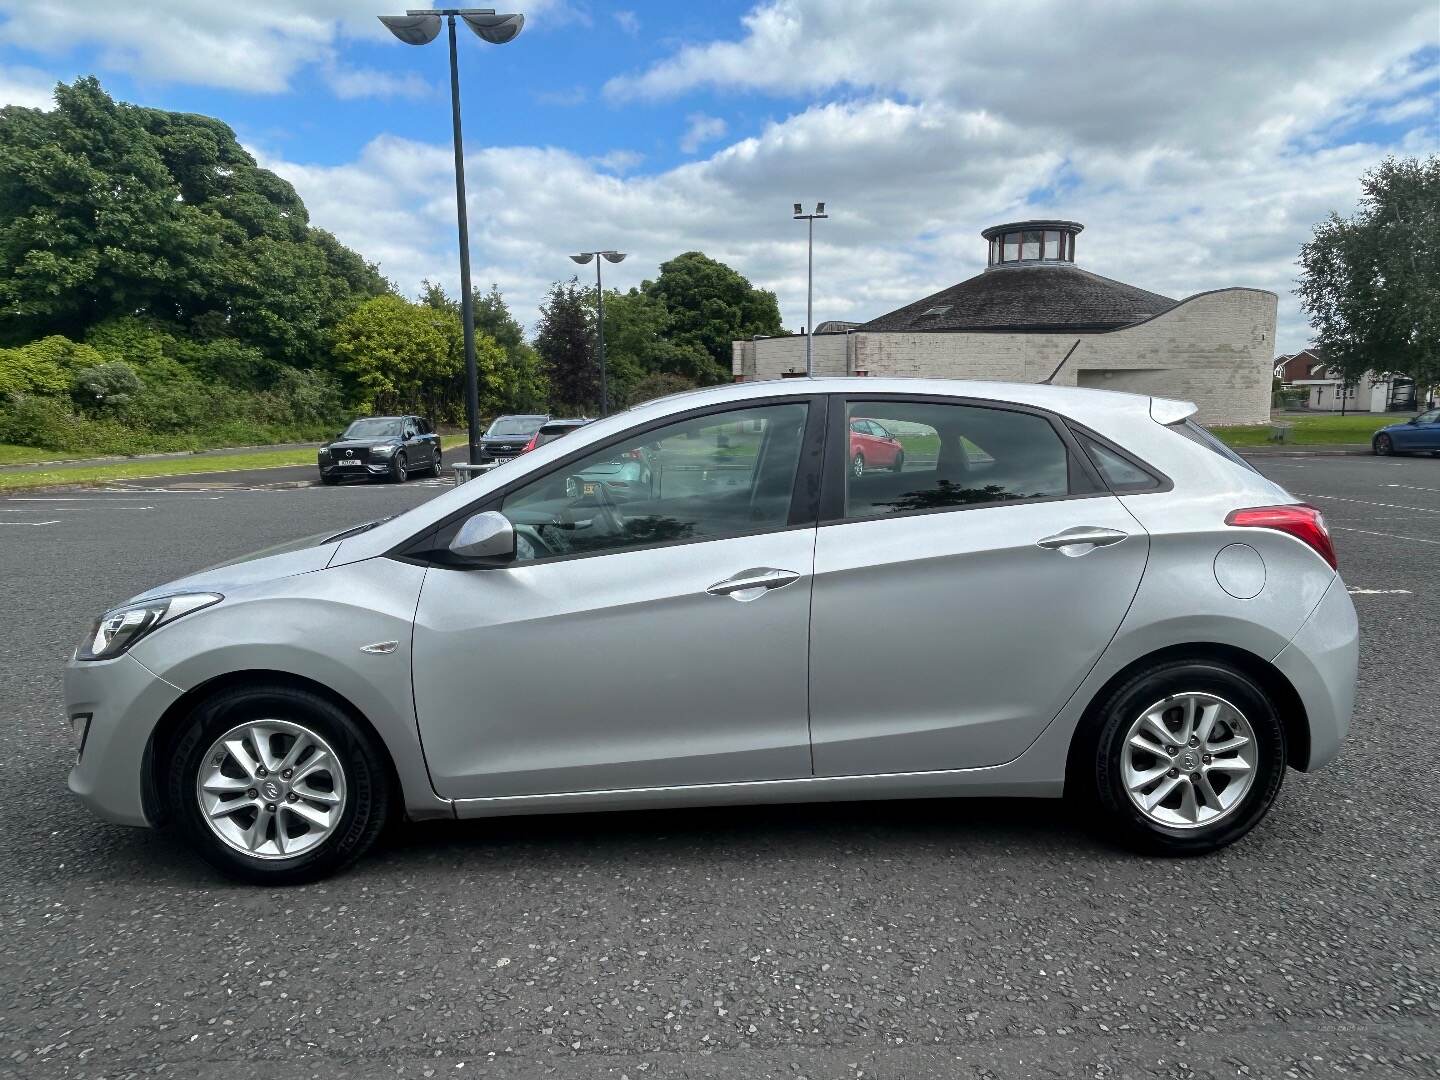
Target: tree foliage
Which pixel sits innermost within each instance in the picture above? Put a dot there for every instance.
(708, 305)
(1370, 283)
(565, 341)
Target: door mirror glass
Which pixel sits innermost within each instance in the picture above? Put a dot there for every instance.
(488, 536)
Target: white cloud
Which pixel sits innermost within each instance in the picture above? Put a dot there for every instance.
(701, 129)
(26, 86)
(628, 21)
(576, 95)
(360, 82)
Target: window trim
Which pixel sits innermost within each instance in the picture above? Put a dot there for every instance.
(1082, 477)
(429, 548)
(1162, 482)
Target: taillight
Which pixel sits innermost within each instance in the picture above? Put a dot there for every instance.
(531, 444)
(1299, 520)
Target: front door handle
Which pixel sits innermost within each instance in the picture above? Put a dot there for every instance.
(753, 583)
(1081, 540)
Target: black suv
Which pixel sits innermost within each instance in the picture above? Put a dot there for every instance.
(508, 437)
(392, 447)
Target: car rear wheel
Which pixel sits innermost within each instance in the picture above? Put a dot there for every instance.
(1383, 446)
(899, 465)
(857, 465)
(1182, 759)
(276, 786)
(398, 469)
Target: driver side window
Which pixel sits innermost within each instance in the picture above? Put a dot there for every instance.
(706, 478)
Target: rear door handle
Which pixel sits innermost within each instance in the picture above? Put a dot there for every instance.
(754, 582)
(1081, 540)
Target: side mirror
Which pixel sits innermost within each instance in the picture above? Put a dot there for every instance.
(487, 536)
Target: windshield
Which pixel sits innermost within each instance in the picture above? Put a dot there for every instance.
(515, 425)
(374, 428)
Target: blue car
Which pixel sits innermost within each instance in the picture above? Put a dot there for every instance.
(1416, 435)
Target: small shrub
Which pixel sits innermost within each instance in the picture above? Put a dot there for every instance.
(106, 386)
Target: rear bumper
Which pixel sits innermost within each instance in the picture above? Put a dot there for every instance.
(125, 700)
(1322, 662)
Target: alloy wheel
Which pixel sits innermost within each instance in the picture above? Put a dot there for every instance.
(1382, 445)
(271, 789)
(1189, 760)
(857, 467)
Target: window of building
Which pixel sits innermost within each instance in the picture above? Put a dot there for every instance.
(941, 457)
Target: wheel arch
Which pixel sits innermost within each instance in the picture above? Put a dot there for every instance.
(168, 729)
(1270, 679)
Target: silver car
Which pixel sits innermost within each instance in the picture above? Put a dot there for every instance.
(1062, 592)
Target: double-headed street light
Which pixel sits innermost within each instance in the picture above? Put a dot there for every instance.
(603, 257)
(420, 27)
(810, 277)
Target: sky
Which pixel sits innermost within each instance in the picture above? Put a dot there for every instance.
(1199, 142)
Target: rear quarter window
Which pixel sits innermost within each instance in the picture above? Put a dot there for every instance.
(1197, 434)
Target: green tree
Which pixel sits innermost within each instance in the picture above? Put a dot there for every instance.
(708, 305)
(110, 385)
(564, 339)
(395, 354)
(523, 385)
(1370, 283)
(110, 210)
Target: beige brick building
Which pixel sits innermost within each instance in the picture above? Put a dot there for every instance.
(1017, 319)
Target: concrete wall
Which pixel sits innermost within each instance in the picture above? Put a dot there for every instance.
(1215, 349)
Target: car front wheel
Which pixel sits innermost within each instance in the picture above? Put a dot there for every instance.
(1383, 446)
(397, 469)
(276, 785)
(1182, 759)
(857, 465)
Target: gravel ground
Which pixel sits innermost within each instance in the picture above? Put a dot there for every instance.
(981, 938)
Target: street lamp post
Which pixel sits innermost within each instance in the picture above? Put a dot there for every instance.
(810, 279)
(600, 257)
(420, 27)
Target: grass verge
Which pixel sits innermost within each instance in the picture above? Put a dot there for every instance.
(1310, 431)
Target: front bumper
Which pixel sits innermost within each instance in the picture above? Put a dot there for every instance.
(1322, 662)
(367, 468)
(125, 700)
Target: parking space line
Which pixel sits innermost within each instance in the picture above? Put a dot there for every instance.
(1390, 536)
(1365, 502)
(1412, 487)
(55, 522)
(1378, 592)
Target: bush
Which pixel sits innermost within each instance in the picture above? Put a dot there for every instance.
(106, 386)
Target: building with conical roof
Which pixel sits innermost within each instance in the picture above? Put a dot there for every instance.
(1016, 319)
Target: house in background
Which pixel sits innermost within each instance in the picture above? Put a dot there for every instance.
(1326, 392)
(1016, 320)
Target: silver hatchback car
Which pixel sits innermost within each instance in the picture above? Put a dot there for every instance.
(1049, 592)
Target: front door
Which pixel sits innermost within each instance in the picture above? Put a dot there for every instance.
(658, 639)
(956, 604)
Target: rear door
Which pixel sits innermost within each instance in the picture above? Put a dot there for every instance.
(958, 604)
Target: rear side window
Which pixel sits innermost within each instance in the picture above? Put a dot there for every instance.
(1117, 470)
(942, 457)
(1197, 434)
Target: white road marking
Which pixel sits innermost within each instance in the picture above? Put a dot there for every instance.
(55, 522)
(1378, 592)
(1388, 536)
(1412, 487)
(1364, 502)
(46, 510)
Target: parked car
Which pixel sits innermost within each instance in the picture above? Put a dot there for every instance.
(628, 476)
(551, 430)
(872, 446)
(508, 436)
(1084, 594)
(1416, 435)
(387, 447)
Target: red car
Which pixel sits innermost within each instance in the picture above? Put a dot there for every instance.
(872, 447)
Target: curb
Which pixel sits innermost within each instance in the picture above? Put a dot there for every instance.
(1264, 452)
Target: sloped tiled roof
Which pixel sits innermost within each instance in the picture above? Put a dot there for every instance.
(1030, 298)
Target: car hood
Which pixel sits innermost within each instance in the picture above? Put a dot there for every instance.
(362, 444)
(302, 556)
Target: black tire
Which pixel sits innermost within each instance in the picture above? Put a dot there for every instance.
(398, 469)
(437, 465)
(857, 465)
(899, 465)
(367, 779)
(1383, 446)
(329, 481)
(1095, 780)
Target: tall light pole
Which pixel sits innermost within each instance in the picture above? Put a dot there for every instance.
(420, 27)
(810, 278)
(604, 257)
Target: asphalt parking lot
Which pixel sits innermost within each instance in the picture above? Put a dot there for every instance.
(983, 938)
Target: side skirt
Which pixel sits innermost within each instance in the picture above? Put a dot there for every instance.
(992, 782)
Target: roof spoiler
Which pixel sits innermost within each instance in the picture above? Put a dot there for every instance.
(1170, 411)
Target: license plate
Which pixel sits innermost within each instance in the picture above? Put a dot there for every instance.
(345, 463)
(588, 488)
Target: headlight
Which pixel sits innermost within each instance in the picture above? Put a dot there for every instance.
(382, 451)
(117, 630)
(324, 451)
